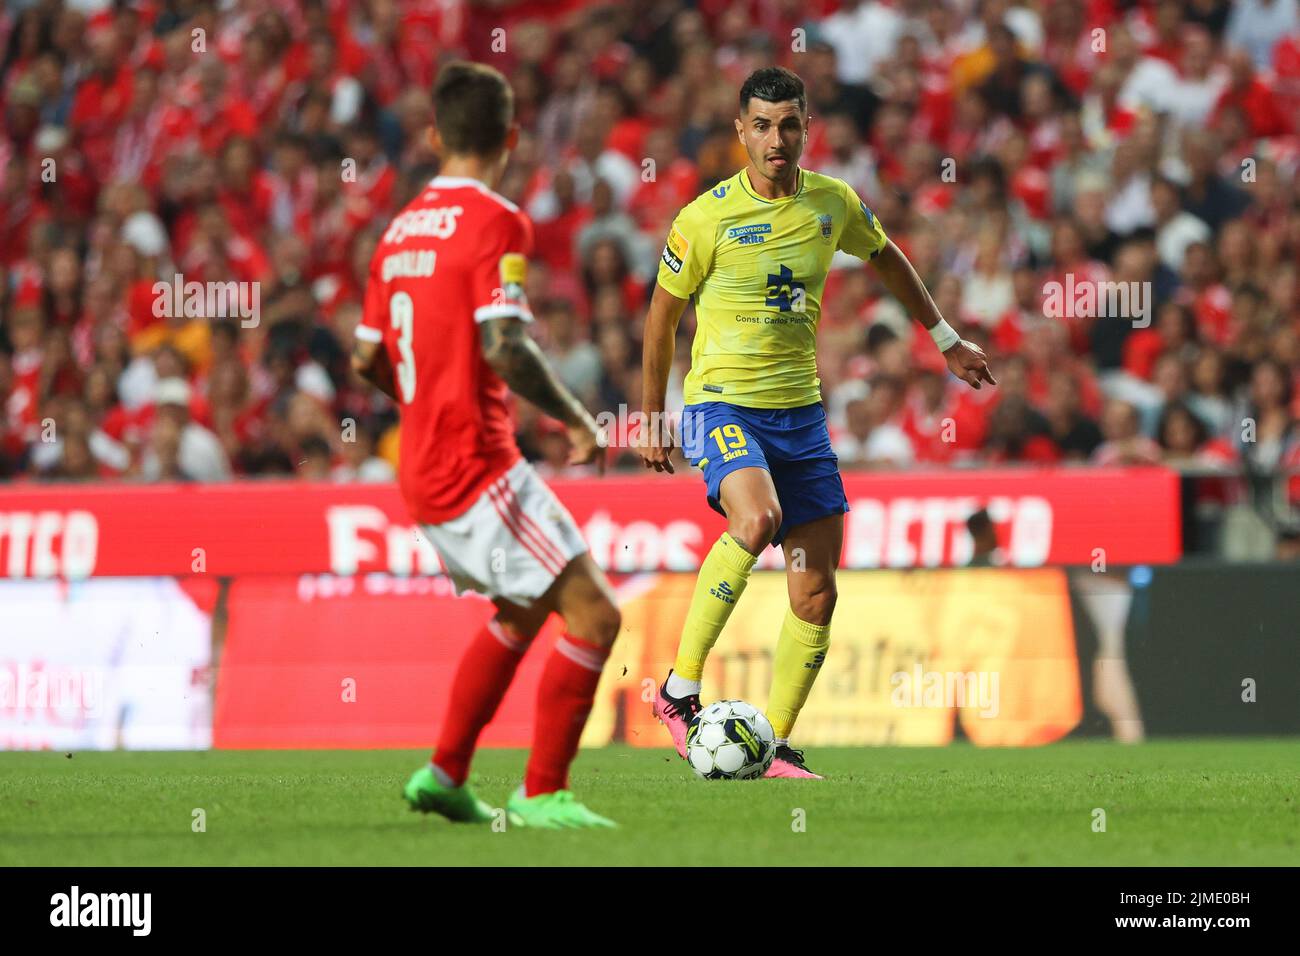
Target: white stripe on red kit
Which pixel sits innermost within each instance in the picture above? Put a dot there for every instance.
(502, 635)
(586, 657)
(528, 524)
(541, 555)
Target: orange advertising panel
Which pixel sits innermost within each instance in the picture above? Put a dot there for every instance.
(367, 661)
(911, 651)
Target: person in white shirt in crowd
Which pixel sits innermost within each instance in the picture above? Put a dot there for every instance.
(871, 439)
(1257, 26)
(1200, 81)
(1176, 229)
(198, 455)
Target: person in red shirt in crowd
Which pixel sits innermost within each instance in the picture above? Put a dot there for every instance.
(927, 416)
(259, 77)
(102, 100)
(246, 191)
(557, 235)
(1018, 435)
(1173, 332)
(1255, 96)
(370, 175)
(656, 199)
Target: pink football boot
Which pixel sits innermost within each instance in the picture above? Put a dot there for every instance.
(789, 763)
(676, 713)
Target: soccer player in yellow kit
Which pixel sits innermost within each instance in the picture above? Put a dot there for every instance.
(753, 253)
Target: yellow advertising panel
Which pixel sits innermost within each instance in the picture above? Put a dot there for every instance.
(912, 652)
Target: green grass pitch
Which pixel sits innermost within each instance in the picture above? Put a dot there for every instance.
(1191, 802)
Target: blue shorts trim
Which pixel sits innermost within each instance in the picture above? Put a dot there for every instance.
(793, 445)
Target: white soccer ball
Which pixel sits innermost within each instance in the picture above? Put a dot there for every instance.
(730, 740)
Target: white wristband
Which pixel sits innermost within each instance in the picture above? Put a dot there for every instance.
(944, 335)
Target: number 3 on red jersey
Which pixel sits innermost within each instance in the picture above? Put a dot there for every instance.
(401, 311)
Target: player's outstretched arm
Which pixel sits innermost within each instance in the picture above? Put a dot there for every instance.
(513, 355)
(370, 361)
(966, 360)
(655, 441)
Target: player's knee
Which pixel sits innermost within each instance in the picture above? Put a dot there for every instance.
(518, 630)
(597, 624)
(755, 529)
(816, 605)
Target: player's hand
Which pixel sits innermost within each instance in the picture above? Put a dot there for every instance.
(587, 443)
(968, 362)
(654, 443)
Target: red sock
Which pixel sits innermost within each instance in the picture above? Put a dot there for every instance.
(485, 671)
(563, 702)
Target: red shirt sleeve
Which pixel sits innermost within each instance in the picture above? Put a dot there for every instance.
(375, 310)
(501, 271)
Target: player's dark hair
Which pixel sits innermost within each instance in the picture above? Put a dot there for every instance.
(473, 107)
(772, 84)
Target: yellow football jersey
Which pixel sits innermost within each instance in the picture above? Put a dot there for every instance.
(756, 269)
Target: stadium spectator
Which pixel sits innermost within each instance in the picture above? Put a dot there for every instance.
(179, 448)
(872, 438)
(1125, 444)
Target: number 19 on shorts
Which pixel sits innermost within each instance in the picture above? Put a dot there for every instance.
(731, 441)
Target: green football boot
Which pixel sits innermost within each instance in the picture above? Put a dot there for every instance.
(558, 810)
(458, 804)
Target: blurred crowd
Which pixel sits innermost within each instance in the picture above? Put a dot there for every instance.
(1004, 147)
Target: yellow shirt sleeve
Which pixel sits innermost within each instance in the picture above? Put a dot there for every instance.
(863, 235)
(688, 253)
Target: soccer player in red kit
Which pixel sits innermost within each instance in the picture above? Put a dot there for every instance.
(444, 334)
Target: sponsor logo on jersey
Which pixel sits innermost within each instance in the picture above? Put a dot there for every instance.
(713, 388)
(675, 250)
(412, 264)
(440, 223)
(750, 235)
(782, 287)
(721, 191)
(513, 269)
(825, 223)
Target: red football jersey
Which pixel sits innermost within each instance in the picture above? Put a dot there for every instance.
(455, 257)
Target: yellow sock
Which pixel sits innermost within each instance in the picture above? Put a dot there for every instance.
(721, 582)
(799, 654)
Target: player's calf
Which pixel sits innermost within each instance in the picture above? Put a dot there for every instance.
(592, 620)
(813, 598)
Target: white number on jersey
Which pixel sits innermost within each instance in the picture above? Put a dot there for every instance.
(402, 312)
